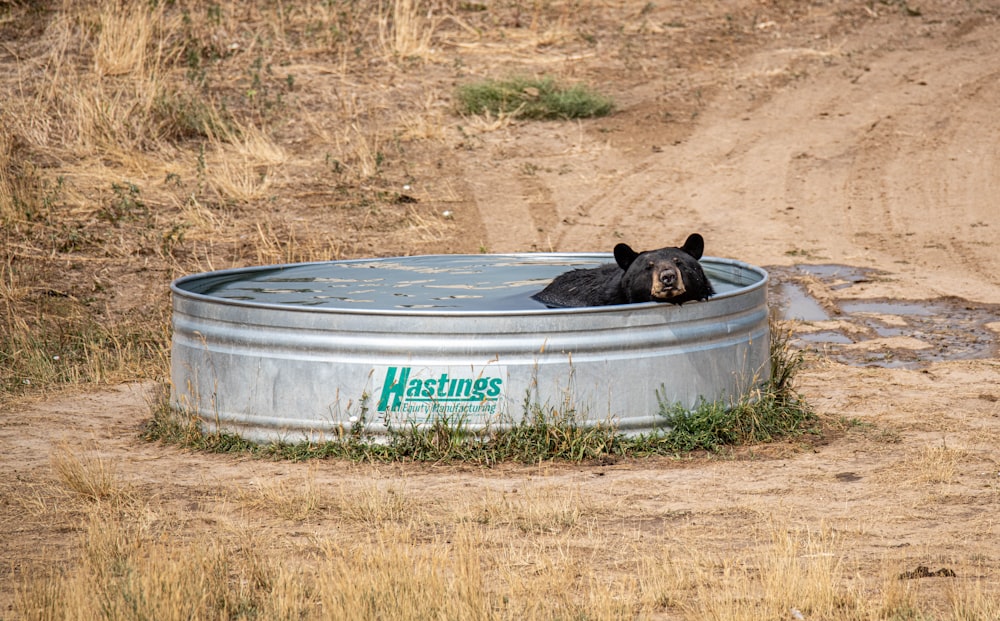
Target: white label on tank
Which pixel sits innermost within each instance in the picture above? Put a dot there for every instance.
(422, 394)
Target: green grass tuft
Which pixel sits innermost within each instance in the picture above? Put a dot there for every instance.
(531, 98)
(773, 411)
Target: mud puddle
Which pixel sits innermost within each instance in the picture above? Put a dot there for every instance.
(878, 332)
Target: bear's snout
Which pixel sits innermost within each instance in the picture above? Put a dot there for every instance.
(668, 278)
(667, 283)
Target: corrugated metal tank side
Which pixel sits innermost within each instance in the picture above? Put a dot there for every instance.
(288, 373)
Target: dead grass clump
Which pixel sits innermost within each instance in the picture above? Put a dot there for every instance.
(242, 164)
(791, 570)
(48, 338)
(126, 35)
(87, 474)
(363, 151)
(147, 579)
(290, 500)
(128, 567)
(937, 464)
(45, 597)
(975, 599)
(563, 589)
(797, 573)
(426, 122)
(279, 242)
(405, 28)
(394, 578)
(111, 109)
(534, 510)
(377, 503)
(239, 180)
(12, 180)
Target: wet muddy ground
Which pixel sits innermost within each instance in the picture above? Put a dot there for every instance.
(827, 317)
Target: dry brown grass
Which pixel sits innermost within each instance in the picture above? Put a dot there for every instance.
(87, 475)
(793, 570)
(295, 500)
(937, 463)
(378, 503)
(173, 138)
(378, 552)
(405, 28)
(531, 511)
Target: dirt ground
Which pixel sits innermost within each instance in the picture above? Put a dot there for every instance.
(862, 138)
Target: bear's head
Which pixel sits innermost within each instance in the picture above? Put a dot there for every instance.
(664, 275)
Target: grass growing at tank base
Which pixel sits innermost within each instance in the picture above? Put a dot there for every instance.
(773, 411)
(531, 98)
(543, 434)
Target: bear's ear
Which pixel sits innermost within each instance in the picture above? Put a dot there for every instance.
(694, 245)
(624, 255)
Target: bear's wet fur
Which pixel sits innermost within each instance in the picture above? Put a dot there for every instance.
(666, 275)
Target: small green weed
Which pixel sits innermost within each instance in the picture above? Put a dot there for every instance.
(531, 98)
(126, 205)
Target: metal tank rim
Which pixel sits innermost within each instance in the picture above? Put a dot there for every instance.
(275, 371)
(176, 288)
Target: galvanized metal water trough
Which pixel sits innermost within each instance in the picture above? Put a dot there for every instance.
(307, 351)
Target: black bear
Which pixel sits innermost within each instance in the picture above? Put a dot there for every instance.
(666, 275)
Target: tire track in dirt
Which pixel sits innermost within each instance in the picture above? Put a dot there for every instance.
(547, 192)
(541, 207)
(868, 171)
(512, 219)
(966, 194)
(518, 181)
(886, 157)
(911, 186)
(604, 210)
